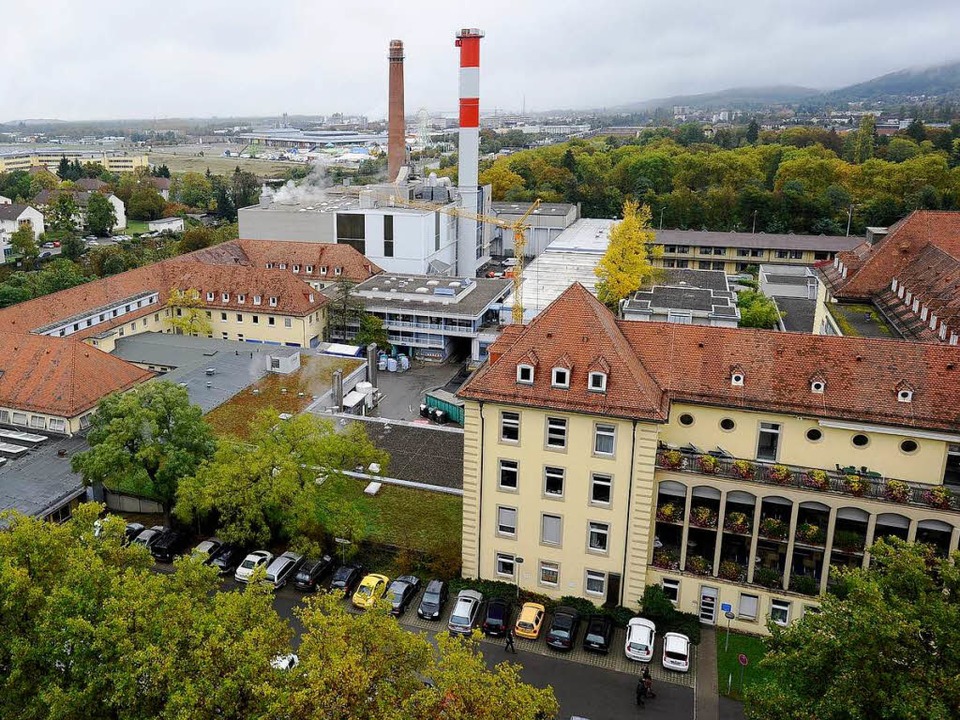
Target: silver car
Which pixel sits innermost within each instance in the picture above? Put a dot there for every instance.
(282, 569)
(465, 612)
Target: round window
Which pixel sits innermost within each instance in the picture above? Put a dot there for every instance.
(861, 440)
(817, 387)
(814, 435)
(727, 424)
(909, 446)
(686, 419)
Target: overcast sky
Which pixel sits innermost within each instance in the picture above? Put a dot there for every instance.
(95, 59)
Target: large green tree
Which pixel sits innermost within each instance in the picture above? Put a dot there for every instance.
(63, 213)
(101, 216)
(887, 647)
(145, 204)
(24, 242)
(145, 441)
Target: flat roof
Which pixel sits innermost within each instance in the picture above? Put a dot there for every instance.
(512, 208)
(41, 481)
(828, 243)
(682, 298)
(587, 235)
(797, 314)
(470, 297)
(236, 365)
(715, 280)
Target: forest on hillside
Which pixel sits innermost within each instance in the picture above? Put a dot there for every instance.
(800, 180)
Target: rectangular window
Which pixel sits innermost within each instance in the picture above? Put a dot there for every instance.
(553, 481)
(256, 299)
(4, 416)
(283, 266)
(749, 604)
(596, 583)
(255, 319)
(351, 231)
(271, 320)
(510, 426)
(951, 473)
(58, 425)
(209, 299)
(782, 254)
(598, 538)
(525, 374)
(223, 316)
(239, 318)
(505, 565)
(671, 588)
(388, 235)
(780, 611)
(273, 302)
(19, 418)
(509, 474)
(549, 573)
(598, 382)
(37, 422)
(296, 268)
(796, 254)
(561, 378)
(224, 335)
(551, 530)
(241, 299)
(604, 438)
(600, 489)
(768, 442)
(556, 432)
(288, 322)
(436, 231)
(225, 297)
(680, 318)
(506, 521)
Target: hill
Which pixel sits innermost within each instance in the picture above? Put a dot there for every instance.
(939, 80)
(742, 97)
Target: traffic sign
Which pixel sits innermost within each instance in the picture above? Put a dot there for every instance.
(729, 615)
(726, 607)
(743, 659)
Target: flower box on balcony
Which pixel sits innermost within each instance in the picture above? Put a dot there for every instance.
(668, 512)
(672, 459)
(708, 464)
(737, 522)
(810, 534)
(848, 541)
(768, 577)
(665, 560)
(897, 491)
(855, 485)
(773, 528)
(697, 565)
(780, 474)
(703, 517)
(816, 480)
(730, 570)
(742, 469)
(938, 497)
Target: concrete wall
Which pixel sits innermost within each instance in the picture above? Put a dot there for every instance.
(258, 224)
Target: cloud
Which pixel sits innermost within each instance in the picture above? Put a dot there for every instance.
(100, 59)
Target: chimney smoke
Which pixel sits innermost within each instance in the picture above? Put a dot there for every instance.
(396, 129)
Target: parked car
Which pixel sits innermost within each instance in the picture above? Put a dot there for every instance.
(312, 572)
(433, 600)
(563, 629)
(56, 243)
(530, 620)
(228, 558)
(598, 635)
(676, 652)
(170, 543)
(285, 662)
(207, 550)
(496, 617)
(401, 592)
(371, 589)
(47, 245)
(346, 578)
(282, 569)
(131, 532)
(149, 536)
(45, 254)
(641, 636)
(258, 558)
(465, 612)
(92, 242)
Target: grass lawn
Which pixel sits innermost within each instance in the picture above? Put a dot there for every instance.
(219, 165)
(136, 226)
(750, 646)
(284, 393)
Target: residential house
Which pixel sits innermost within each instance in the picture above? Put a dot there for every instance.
(170, 224)
(14, 216)
(46, 197)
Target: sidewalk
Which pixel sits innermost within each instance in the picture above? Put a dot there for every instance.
(707, 702)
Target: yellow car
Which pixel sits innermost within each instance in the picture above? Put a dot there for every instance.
(371, 589)
(530, 620)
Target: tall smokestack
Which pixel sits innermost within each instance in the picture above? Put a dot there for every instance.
(469, 241)
(396, 130)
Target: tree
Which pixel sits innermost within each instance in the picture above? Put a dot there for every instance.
(901, 149)
(624, 266)
(72, 247)
(863, 150)
(372, 331)
(194, 190)
(196, 238)
(753, 131)
(267, 488)
(161, 171)
(24, 242)
(101, 216)
(345, 310)
(757, 310)
(244, 188)
(63, 213)
(187, 312)
(887, 646)
(503, 179)
(917, 131)
(145, 204)
(145, 441)
(225, 209)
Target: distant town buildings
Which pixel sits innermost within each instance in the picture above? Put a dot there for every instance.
(112, 161)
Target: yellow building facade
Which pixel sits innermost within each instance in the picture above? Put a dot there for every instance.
(111, 161)
(748, 496)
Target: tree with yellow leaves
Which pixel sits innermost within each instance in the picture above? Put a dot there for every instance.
(625, 266)
(187, 314)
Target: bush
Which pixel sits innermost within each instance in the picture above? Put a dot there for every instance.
(805, 585)
(656, 606)
(620, 615)
(581, 605)
(768, 577)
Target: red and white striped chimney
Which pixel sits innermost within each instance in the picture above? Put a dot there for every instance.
(470, 240)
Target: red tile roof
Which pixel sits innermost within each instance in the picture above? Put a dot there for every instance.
(59, 377)
(652, 364)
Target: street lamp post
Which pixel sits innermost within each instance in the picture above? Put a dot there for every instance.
(342, 542)
(729, 616)
(661, 216)
(519, 563)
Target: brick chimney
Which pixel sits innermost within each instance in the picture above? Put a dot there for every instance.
(396, 129)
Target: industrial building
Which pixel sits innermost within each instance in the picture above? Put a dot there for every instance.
(545, 225)
(688, 297)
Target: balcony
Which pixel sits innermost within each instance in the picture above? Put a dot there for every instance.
(845, 481)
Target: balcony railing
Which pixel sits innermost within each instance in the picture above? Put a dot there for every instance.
(853, 483)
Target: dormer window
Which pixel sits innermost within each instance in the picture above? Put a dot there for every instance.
(311, 297)
(210, 297)
(561, 378)
(256, 299)
(225, 297)
(736, 379)
(818, 386)
(905, 396)
(337, 271)
(525, 374)
(309, 269)
(283, 266)
(597, 382)
(241, 299)
(323, 269)
(269, 266)
(273, 302)
(296, 268)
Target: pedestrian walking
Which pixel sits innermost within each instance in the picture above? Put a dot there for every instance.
(510, 647)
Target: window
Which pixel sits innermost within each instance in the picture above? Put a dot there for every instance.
(323, 269)
(271, 320)
(549, 573)
(909, 447)
(814, 435)
(796, 254)
(241, 299)
(256, 299)
(224, 335)
(598, 382)
(309, 269)
(749, 605)
(680, 318)
(553, 481)
(768, 441)
(600, 489)
(436, 231)
(556, 432)
(255, 319)
(240, 337)
(685, 419)
(510, 426)
(4, 416)
(951, 472)
(905, 396)
(223, 316)
(37, 422)
(388, 235)
(239, 318)
(818, 386)
(509, 474)
(506, 521)
(671, 588)
(351, 231)
(598, 537)
(273, 302)
(58, 425)
(505, 565)
(296, 268)
(727, 424)
(209, 299)
(225, 297)
(525, 374)
(780, 611)
(283, 266)
(561, 378)
(860, 440)
(337, 270)
(596, 583)
(19, 418)
(288, 322)
(736, 379)
(551, 530)
(604, 438)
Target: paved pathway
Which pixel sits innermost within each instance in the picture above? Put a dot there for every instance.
(707, 692)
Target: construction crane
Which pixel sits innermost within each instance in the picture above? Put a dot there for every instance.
(519, 228)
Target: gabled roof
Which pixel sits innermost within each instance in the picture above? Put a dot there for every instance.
(577, 329)
(12, 211)
(59, 377)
